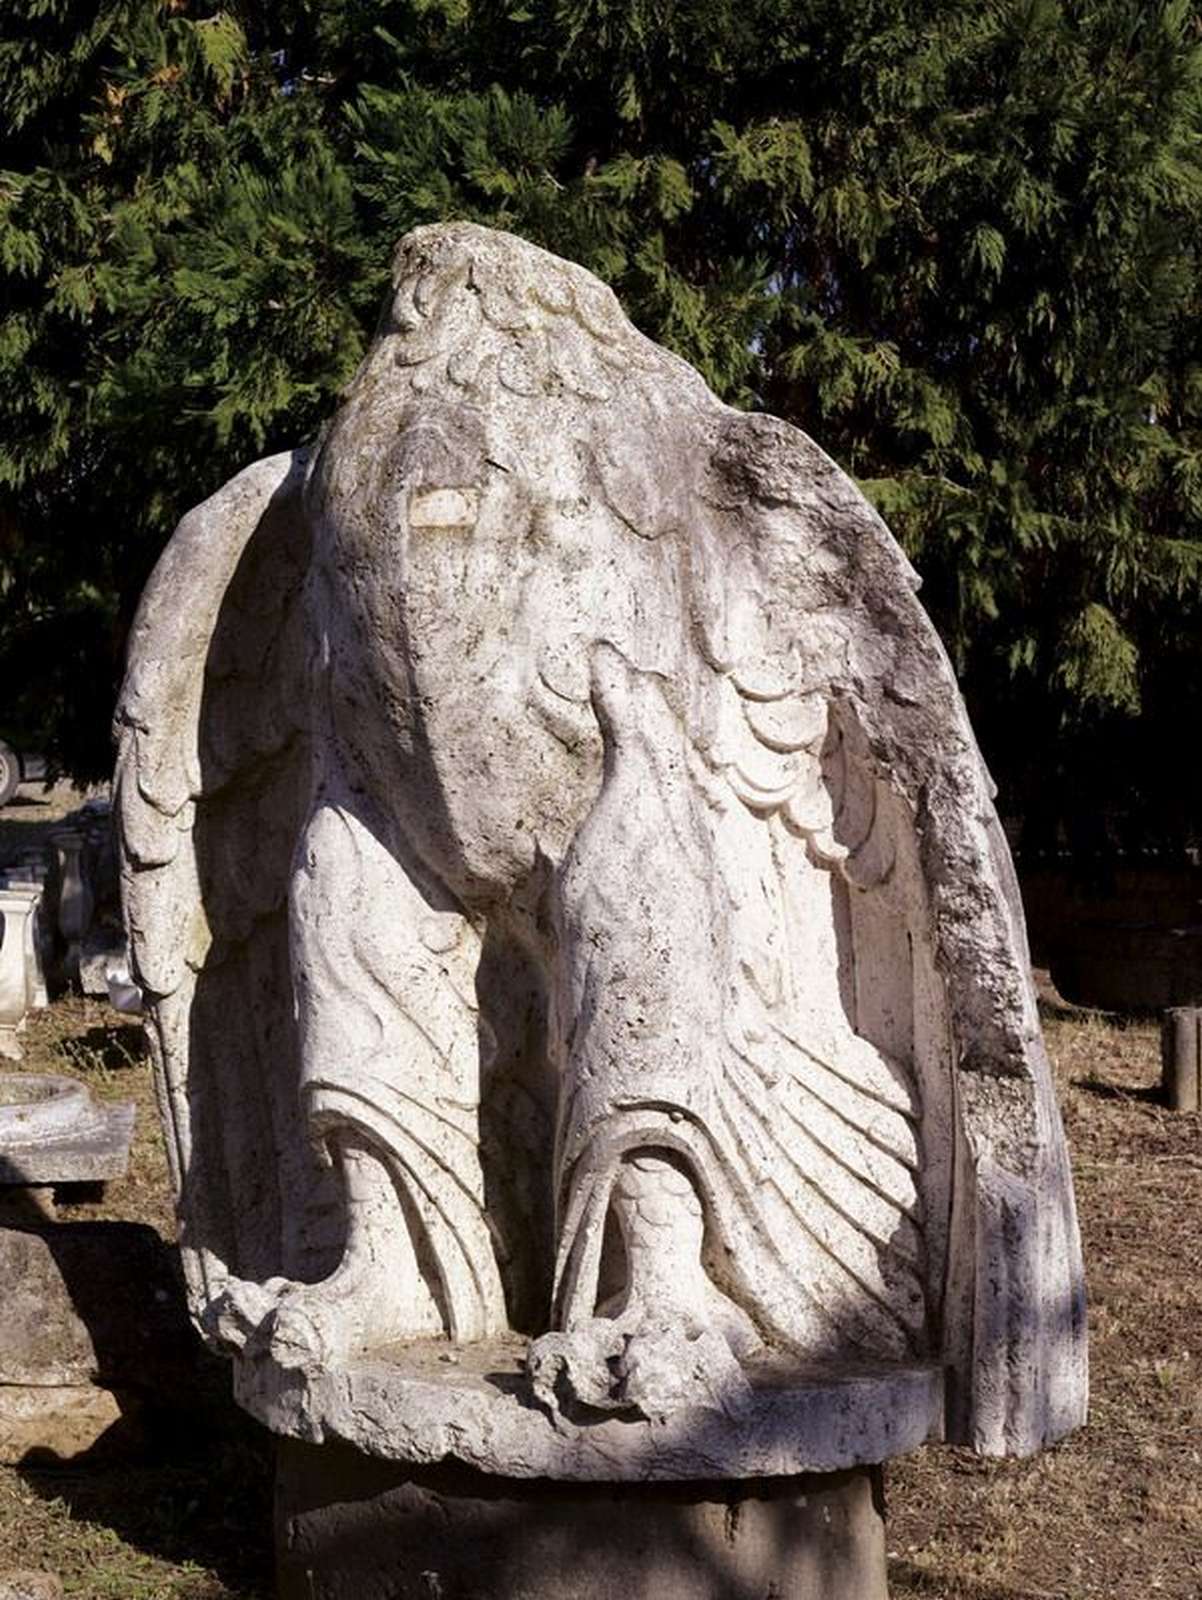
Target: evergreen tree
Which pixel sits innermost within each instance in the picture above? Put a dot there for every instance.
(957, 244)
(182, 288)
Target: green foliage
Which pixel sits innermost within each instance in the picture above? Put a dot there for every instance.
(184, 284)
(958, 244)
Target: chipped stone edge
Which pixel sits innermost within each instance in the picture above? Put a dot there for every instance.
(821, 1425)
(99, 1152)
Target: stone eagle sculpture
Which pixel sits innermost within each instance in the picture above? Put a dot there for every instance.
(576, 932)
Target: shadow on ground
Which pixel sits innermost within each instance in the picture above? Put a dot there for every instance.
(110, 1048)
(1151, 1094)
(189, 1484)
(31, 818)
(915, 1581)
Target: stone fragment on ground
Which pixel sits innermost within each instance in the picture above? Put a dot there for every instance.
(50, 1426)
(103, 948)
(92, 1302)
(54, 1130)
(30, 1586)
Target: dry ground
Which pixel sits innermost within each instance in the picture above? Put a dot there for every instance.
(1116, 1511)
(190, 1517)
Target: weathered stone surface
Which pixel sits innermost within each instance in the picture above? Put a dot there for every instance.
(18, 971)
(23, 879)
(30, 1586)
(571, 909)
(54, 1130)
(1181, 1057)
(91, 1302)
(75, 898)
(32, 871)
(434, 1401)
(44, 1424)
(351, 1529)
(42, 1339)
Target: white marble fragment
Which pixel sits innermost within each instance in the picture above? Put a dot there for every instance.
(19, 970)
(18, 880)
(572, 918)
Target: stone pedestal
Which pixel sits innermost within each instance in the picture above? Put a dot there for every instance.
(17, 982)
(74, 894)
(1181, 1057)
(352, 1528)
(20, 880)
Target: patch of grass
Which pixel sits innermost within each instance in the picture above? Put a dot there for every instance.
(192, 1519)
(197, 1528)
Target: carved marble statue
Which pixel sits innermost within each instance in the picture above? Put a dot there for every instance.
(586, 971)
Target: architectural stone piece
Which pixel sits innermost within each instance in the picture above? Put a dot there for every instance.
(587, 980)
(54, 1130)
(74, 894)
(33, 871)
(1181, 1057)
(18, 974)
(35, 946)
(36, 943)
(471, 1404)
(349, 1527)
(123, 993)
(103, 951)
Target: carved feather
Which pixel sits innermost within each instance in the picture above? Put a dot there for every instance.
(823, 1120)
(218, 691)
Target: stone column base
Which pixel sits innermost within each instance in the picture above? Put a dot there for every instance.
(352, 1528)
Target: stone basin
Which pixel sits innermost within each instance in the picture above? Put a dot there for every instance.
(34, 1106)
(53, 1130)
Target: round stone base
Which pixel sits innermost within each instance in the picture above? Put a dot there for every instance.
(349, 1527)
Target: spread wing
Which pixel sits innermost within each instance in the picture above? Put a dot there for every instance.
(914, 1094)
(299, 979)
(212, 781)
(822, 1093)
